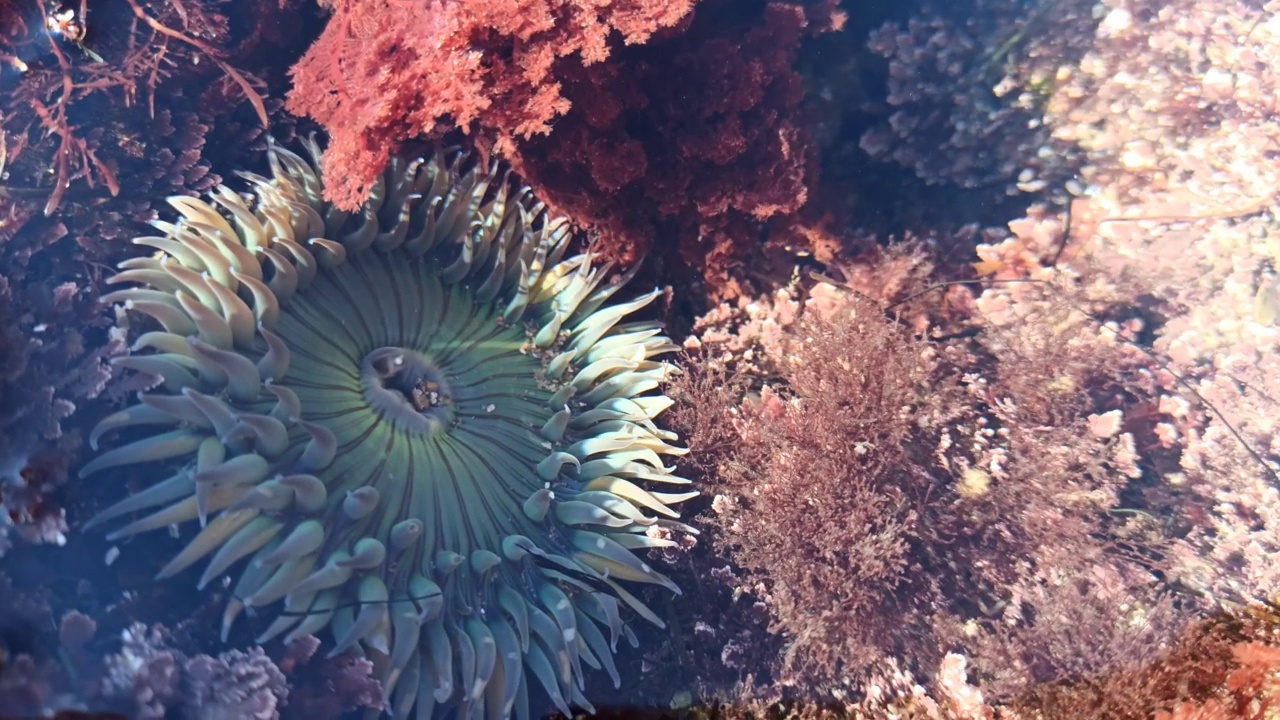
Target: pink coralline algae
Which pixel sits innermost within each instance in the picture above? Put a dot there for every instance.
(1175, 120)
(328, 688)
(886, 497)
(149, 678)
(58, 665)
(380, 75)
(695, 141)
(1095, 414)
(45, 370)
(639, 120)
(236, 684)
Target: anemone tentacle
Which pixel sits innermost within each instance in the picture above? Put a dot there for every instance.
(424, 427)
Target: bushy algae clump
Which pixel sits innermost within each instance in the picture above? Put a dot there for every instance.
(421, 426)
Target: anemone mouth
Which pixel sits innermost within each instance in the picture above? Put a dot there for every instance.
(432, 435)
(404, 386)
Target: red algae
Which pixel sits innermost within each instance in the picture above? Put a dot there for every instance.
(698, 140)
(887, 497)
(380, 75)
(639, 120)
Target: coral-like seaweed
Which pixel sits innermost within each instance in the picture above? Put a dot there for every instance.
(887, 498)
(149, 679)
(329, 688)
(610, 136)
(61, 57)
(636, 160)
(429, 435)
(45, 371)
(1142, 112)
(89, 96)
(376, 78)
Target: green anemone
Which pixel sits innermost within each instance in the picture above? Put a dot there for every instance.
(421, 427)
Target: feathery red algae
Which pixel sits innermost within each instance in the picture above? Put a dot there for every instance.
(376, 77)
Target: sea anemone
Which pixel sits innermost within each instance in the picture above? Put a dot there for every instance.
(425, 427)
